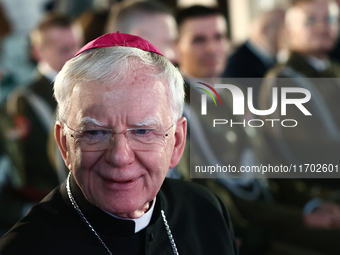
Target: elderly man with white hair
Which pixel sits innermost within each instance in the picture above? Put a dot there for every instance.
(120, 129)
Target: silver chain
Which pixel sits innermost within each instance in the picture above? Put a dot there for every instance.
(82, 216)
(168, 231)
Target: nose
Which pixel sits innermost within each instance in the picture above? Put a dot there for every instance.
(119, 153)
(211, 46)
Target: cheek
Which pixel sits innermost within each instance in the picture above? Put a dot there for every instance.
(334, 32)
(303, 38)
(198, 51)
(84, 161)
(225, 47)
(221, 51)
(156, 164)
(309, 33)
(299, 32)
(188, 50)
(83, 168)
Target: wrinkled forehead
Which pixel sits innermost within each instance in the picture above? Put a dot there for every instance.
(133, 84)
(137, 95)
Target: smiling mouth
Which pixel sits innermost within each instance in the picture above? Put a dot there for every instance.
(123, 181)
(119, 183)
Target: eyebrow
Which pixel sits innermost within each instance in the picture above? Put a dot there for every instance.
(148, 122)
(89, 120)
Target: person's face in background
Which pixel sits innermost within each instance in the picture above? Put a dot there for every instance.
(270, 31)
(312, 28)
(58, 45)
(161, 31)
(203, 46)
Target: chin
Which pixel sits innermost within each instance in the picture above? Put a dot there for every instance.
(325, 46)
(123, 205)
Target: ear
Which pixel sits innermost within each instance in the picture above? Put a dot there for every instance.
(60, 137)
(35, 52)
(180, 139)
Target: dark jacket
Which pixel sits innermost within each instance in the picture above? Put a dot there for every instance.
(198, 221)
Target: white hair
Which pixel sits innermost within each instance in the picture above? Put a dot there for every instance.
(109, 64)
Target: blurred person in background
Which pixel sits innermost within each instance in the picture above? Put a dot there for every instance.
(203, 50)
(202, 42)
(16, 61)
(263, 221)
(150, 20)
(54, 41)
(4, 24)
(93, 23)
(11, 167)
(312, 30)
(5, 28)
(94, 20)
(254, 57)
(74, 8)
(335, 53)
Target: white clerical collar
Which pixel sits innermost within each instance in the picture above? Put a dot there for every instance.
(318, 64)
(141, 222)
(46, 70)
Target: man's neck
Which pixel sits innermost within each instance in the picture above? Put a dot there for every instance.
(136, 214)
(318, 55)
(318, 64)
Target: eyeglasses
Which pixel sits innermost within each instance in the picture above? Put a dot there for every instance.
(312, 20)
(143, 139)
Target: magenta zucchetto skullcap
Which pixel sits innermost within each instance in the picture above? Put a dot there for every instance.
(119, 39)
